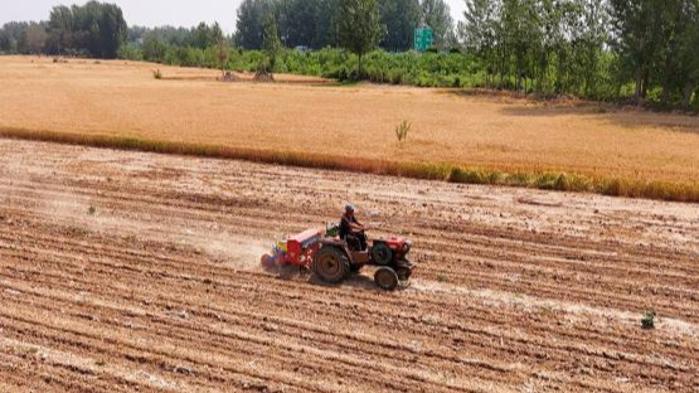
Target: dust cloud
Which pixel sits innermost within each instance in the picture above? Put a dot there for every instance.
(238, 252)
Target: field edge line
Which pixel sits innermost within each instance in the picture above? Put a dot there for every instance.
(536, 179)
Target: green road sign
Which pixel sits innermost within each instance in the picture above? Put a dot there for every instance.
(423, 39)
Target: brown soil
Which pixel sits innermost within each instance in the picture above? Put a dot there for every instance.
(158, 289)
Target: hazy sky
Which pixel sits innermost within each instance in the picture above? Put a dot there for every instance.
(153, 12)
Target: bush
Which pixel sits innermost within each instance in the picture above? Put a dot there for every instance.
(157, 74)
(130, 52)
(648, 321)
(430, 69)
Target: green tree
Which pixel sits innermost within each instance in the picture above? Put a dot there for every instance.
(5, 42)
(480, 30)
(638, 25)
(154, 49)
(96, 29)
(677, 62)
(174, 36)
(550, 28)
(298, 22)
(592, 34)
(437, 15)
(33, 39)
(13, 32)
(400, 17)
(250, 22)
(223, 52)
(112, 31)
(136, 33)
(688, 71)
(271, 43)
(359, 27)
(327, 28)
(60, 29)
(203, 36)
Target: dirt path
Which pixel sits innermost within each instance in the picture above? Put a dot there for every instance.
(126, 271)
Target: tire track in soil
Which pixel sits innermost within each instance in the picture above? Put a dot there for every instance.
(510, 295)
(582, 281)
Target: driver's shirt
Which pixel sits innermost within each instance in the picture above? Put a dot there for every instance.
(345, 227)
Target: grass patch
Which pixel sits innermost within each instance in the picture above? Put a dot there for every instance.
(402, 130)
(546, 180)
(648, 321)
(442, 278)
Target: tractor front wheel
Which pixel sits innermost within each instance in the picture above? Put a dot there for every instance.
(386, 278)
(331, 265)
(404, 273)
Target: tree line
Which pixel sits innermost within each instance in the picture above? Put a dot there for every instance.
(94, 29)
(99, 29)
(645, 50)
(591, 48)
(317, 24)
(175, 45)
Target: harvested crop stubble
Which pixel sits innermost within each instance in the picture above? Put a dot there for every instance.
(622, 151)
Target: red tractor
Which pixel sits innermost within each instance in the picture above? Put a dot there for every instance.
(332, 259)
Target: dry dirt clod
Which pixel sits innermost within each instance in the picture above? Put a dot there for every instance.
(182, 370)
(263, 76)
(229, 77)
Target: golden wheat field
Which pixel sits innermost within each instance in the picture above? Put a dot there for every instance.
(312, 115)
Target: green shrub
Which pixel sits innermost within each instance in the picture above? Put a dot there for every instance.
(648, 321)
(547, 181)
(130, 52)
(408, 68)
(470, 176)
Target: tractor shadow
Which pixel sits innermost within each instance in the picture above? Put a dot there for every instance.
(355, 280)
(286, 272)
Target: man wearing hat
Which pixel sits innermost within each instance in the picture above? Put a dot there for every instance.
(352, 231)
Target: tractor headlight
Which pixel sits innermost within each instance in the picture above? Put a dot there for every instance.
(406, 247)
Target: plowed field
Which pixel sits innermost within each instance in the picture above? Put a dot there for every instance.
(124, 271)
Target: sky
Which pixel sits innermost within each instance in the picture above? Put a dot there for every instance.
(154, 12)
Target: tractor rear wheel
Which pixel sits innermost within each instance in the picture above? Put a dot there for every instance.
(381, 254)
(331, 264)
(386, 278)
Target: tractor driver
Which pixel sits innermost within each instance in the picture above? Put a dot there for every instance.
(352, 231)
